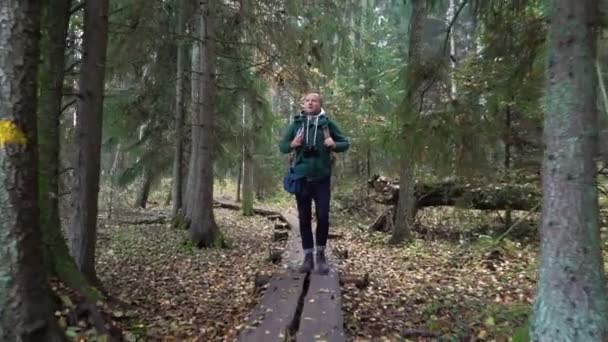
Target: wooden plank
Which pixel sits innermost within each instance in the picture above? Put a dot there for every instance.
(317, 318)
(322, 318)
(273, 317)
(276, 313)
(294, 255)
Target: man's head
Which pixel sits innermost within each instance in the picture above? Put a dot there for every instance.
(312, 103)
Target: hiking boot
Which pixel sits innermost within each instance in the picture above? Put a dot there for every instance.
(308, 264)
(322, 266)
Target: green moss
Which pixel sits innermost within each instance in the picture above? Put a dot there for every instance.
(66, 271)
(221, 241)
(180, 222)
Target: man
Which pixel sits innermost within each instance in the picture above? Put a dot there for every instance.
(313, 137)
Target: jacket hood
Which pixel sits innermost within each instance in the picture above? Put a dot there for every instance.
(303, 117)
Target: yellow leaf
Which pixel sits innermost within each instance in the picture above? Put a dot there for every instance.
(11, 134)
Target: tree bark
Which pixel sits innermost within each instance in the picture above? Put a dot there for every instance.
(113, 171)
(54, 28)
(242, 160)
(239, 178)
(180, 108)
(247, 162)
(507, 162)
(203, 228)
(571, 302)
(56, 17)
(406, 208)
(449, 17)
(25, 303)
(144, 193)
(83, 233)
(195, 80)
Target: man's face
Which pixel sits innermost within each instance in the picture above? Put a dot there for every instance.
(312, 103)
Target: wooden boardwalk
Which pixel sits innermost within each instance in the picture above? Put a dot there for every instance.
(296, 306)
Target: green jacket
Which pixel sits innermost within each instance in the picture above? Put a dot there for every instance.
(315, 164)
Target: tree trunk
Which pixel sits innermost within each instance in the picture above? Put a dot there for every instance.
(180, 108)
(54, 28)
(247, 163)
(571, 302)
(368, 162)
(406, 208)
(243, 143)
(144, 193)
(83, 233)
(113, 171)
(60, 263)
(203, 228)
(25, 304)
(248, 182)
(195, 79)
(239, 178)
(507, 141)
(449, 17)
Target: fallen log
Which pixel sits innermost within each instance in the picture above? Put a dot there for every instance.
(360, 281)
(236, 206)
(145, 220)
(281, 226)
(280, 236)
(261, 280)
(489, 197)
(409, 333)
(275, 217)
(275, 255)
(334, 236)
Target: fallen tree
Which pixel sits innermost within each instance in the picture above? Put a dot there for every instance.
(237, 206)
(489, 197)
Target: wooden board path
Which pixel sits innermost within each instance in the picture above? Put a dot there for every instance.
(275, 317)
(321, 318)
(304, 307)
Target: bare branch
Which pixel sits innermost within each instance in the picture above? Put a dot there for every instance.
(77, 8)
(451, 25)
(68, 105)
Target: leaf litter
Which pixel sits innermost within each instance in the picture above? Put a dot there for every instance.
(177, 291)
(425, 291)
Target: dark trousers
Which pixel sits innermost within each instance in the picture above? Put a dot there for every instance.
(319, 191)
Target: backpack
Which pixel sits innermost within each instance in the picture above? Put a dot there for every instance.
(332, 154)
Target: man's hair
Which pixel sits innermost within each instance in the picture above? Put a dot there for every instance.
(313, 92)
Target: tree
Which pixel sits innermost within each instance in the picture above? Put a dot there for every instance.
(248, 149)
(83, 233)
(25, 305)
(144, 192)
(55, 20)
(199, 209)
(180, 108)
(141, 90)
(571, 301)
(410, 111)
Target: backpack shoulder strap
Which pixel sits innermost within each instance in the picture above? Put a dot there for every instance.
(326, 132)
(332, 154)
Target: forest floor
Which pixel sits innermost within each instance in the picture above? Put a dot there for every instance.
(468, 288)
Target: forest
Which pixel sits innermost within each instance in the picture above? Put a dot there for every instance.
(144, 148)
